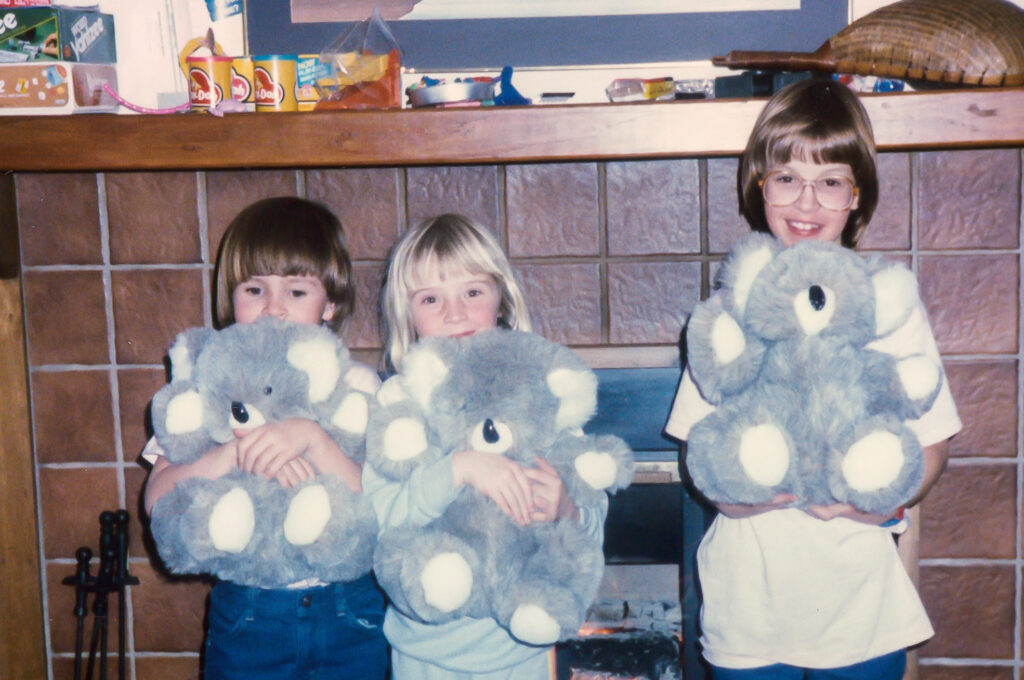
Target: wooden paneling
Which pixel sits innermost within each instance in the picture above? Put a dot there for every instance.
(22, 655)
(947, 119)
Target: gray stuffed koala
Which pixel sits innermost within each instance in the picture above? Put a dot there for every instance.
(242, 527)
(512, 394)
(804, 405)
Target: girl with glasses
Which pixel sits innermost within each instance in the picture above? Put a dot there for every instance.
(793, 590)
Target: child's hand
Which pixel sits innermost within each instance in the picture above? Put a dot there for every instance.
(265, 450)
(550, 499)
(741, 510)
(502, 480)
(830, 512)
(295, 472)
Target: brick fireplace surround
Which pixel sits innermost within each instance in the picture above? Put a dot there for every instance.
(613, 254)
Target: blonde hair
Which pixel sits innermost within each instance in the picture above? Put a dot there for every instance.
(819, 121)
(447, 242)
(285, 236)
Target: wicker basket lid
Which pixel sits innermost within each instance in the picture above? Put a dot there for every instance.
(971, 42)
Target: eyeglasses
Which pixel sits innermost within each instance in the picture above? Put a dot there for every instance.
(782, 187)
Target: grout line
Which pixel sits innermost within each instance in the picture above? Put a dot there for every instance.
(1018, 623)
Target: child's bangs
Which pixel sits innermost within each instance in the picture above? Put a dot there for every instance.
(819, 144)
(448, 258)
(272, 259)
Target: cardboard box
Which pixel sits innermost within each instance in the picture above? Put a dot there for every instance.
(56, 87)
(56, 34)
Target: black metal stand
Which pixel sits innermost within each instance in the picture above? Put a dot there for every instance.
(113, 576)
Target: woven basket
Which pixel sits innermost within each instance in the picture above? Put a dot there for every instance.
(971, 42)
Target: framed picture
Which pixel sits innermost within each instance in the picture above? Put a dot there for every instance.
(428, 10)
(519, 33)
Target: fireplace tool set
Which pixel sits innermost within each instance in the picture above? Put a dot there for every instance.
(112, 576)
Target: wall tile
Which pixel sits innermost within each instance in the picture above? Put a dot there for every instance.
(969, 199)
(986, 398)
(471, 190)
(971, 609)
(645, 300)
(138, 522)
(160, 667)
(972, 301)
(564, 301)
(889, 228)
(65, 318)
(971, 513)
(136, 388)
(552, 209)
(152, 217)
(363, 327)
(366, 202)
(151, 307)
(59, 220)
(60, 615)
(726, 225)
(168, 612)
(653, 207)
(73, 416)
(72, 500)
(936, 672)
(228, 191)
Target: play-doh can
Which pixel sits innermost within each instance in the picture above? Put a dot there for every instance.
(209, 80)
(241, 82)
(305, 81)
(274, 78)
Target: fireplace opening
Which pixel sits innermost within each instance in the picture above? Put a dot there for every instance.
(642, 624)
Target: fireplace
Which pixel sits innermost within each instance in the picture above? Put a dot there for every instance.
(643, 623)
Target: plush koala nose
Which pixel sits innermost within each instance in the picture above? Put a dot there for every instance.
(816, 296)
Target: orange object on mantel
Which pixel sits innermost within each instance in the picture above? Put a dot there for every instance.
(384, 92)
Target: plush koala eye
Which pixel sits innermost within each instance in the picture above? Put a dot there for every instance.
(268, 390)
(245, 416)
(814, 307)
(491, 436)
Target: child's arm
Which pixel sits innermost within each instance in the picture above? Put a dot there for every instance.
(164, 476)
(502, 480)
(275, 449)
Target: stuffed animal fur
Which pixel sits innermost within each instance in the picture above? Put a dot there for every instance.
(805, 406)
(246, 528)
(511, 394)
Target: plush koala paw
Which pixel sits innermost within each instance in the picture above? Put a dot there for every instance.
(404, 439)
(531, 624)
(232, 521)
(920, 377)
(873, 462)
(352, 414)
(308, 514)
(764, 454)
(597, 469)
(447, 581)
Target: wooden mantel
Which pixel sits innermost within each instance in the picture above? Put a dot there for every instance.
(108, 142)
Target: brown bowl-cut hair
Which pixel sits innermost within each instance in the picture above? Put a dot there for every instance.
(285, 236)
(813, 121)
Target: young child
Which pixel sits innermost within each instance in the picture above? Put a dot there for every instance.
(286, 258)
(817, 592)
(449, 277)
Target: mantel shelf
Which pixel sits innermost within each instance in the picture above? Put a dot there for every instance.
(109, 142)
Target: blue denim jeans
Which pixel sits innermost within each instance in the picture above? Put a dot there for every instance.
(333, 631)
(886, 667)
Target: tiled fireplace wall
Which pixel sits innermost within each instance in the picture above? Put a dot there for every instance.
(613, 256)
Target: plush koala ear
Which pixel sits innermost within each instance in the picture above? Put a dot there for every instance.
(423, 370)
(745, 266)
(577, 393)
(318, 358)
(895, 298)
(185, 350)
(184, 413)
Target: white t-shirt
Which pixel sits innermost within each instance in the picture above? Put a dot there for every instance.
(784, 587)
